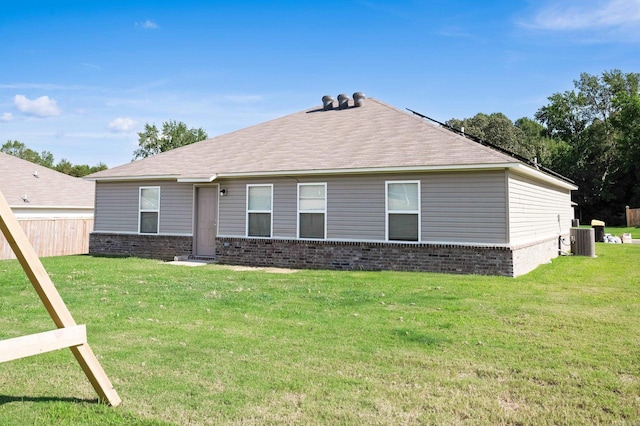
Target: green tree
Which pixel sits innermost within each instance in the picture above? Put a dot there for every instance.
(627, 124)
(18, 149)
(499, 130)
(45, 158)
(581, 121)
(64, 166)
(174, 134)
(78, 170)
(545, 150)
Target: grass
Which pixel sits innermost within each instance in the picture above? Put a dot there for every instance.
(211, 345)
(619, 230)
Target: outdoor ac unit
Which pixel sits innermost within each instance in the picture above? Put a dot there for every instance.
(583, 242)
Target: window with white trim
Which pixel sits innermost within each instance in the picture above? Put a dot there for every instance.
(259, 210)
(403, 210)
(312, 210)
(149, 210)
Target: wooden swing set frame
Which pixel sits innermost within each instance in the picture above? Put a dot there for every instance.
(69, 334)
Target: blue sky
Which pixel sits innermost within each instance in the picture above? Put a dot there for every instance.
(81, 78)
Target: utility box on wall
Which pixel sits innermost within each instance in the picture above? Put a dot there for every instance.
(583, 242)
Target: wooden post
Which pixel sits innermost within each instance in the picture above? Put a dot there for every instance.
(55, 306)
(626, 210)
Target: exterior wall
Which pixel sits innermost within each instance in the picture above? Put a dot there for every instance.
(468, 207)
(117, 207)
(356, 207)
(444, 258)
(537, 211)
(53, 236)
(528, 257)
(538, 215)
(162, 247)
(489, 222)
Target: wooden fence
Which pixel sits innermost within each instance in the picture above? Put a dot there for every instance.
(633, 217)
(53, 237)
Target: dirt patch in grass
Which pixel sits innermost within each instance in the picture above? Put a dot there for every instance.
(239, 268)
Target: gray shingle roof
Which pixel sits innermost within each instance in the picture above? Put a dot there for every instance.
(374, 136)
(48, 189)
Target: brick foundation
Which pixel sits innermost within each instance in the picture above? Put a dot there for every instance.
(446, 258)
(162, 247)
(424, 257)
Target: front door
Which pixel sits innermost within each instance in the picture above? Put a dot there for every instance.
(206, 220)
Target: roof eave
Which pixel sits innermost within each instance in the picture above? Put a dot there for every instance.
(131, 177)
(45, 207)
(364, 170)
(197, 179)
(537, 174)
(177, 178)
(515, 166)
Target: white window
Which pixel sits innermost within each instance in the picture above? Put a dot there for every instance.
(312, 210)
(149, 210)
(403, 210)
(259, 210)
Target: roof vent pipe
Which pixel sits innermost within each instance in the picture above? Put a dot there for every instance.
(343, 101)
(358, 99)
(327, 102)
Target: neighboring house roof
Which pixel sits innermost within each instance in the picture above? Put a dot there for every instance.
(43, 187)
(373, 137)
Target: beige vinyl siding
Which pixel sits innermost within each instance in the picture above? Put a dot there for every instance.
(456, 207)
(117, 207)
(232, 208)
(355, 208)
(453, 205)
(464, 207)
(285, 208)
(534, 208)
(176, 208)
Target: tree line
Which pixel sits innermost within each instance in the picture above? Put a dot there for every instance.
(151, 141)
(46, 159)
(590, 134)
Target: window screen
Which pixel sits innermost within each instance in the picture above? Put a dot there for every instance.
(259, 210)
(149, 210)
(312, 206)
(403, 210)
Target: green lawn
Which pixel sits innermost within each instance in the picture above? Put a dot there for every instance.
(211, 345)
(619, 230)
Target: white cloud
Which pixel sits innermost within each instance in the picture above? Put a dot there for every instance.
(40, 107)
(92, 66)
(46, 87)
(122, 125)
(148, 25)
(587, 15)
(6, 117)
(455, 32)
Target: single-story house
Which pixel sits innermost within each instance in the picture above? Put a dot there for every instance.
(55, 210)
(348, 185)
